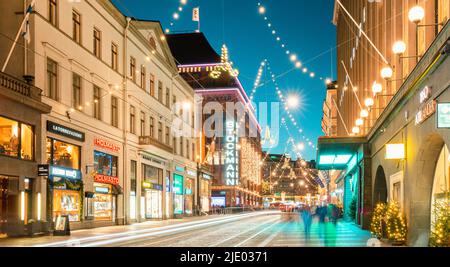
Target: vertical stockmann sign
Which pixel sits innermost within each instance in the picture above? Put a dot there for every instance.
(231, 155)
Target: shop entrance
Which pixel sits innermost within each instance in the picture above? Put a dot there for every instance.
(380, 193)
(440, 194)
(9, 187)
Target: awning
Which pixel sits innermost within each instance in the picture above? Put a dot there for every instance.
(335, 153)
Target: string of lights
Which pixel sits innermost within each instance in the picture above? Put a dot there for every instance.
(176, 15)
(293, 57)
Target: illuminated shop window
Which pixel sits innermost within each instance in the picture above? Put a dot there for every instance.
(63, 154)
(10, 143)
(105, 164)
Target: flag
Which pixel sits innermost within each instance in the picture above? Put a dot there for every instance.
(26, 27)
(196, 14)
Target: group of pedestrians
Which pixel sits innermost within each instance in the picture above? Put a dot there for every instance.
(307, 214)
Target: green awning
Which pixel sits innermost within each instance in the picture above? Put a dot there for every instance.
(336, 153)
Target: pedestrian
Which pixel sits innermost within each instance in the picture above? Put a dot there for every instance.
(307, 221)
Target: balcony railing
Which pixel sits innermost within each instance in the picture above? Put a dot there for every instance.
(11, 83)
(150, 141)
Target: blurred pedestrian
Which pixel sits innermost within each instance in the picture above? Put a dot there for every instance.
(307, 221)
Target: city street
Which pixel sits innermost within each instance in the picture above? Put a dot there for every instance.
(258, 229)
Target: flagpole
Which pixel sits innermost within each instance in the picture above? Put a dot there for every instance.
(17, 38)
(199, 19)
(25, 48)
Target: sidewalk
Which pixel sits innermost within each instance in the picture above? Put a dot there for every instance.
(83, 233)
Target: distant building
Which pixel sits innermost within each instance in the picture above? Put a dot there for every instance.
(330, 113)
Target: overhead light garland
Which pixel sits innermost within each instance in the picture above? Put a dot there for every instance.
(176, 14)
(291, 55)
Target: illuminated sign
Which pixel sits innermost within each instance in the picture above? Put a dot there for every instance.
(188, 191)
(178, 184)
(65, 131)
(191, 173)
(207, 176)
(231, 155)
(147, 185)
(106, 145)
(427, 108)
(443, 115)
(179, 169)
(104, 179)
(65, 173)
(102, 190)
(395, 151)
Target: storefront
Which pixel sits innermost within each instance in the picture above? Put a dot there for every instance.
(189, 196)
(205, 189)
(65, 178)
(178, 198)
(152, 190)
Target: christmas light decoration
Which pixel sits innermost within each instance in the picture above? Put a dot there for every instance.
(176, 15)
(292, 57)
(440, 227)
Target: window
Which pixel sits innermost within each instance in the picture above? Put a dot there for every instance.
(53, 12)
(152, 127)
(105, 164)
(187, 149)
(160, 129)
(97, 43)
(167, 136)
(174, 143)
(133, 176)
(97, 104)
(114, 111)
(160, 91)
(76, 91)
(133, 69)
(174, 102)
(114, 56)
(152, 85)
(181, 146)
(10, 143)
(76, 21)
(52, 79)
(142, 123)
(132, 120)
(63, 154)
(193, 152)
(152, 42)
(143, 77)
(167, 97)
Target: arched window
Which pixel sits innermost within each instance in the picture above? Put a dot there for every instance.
(152, 42)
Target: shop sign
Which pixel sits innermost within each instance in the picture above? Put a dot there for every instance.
(207, 176)
(102, 190)
(443, 115)
(178, 184)
(65, 173)
(106, 145)
(188, 191)
(426, 112)
(104, 179)
(65, 131)
(147, 185)
(43, 170)
(231, 155)
(179, 169)
(427, 108)
(191, 173)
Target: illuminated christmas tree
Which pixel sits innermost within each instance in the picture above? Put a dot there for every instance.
(376, 226)
(440, 233)
(395, 223)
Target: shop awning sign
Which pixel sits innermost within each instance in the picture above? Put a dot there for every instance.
(443, 111)
(43, 170)
(65, 173)
(65, 131)
(99, 178)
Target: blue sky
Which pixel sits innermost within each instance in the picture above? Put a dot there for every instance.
(304, 25)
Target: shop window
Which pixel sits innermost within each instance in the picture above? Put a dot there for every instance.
(63, 154)
(67, 202)
(10, 143)
(105, 164)
(103, 202)
(153, 175)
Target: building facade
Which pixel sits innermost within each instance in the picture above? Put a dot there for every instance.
(393, 139)
(228, 132)
(330, 112)
(119, 139)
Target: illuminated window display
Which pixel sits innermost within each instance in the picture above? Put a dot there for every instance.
(63, 154)
(67, 202)
(189, 197)
(152, 191)
(103, 202)
(441, 185)
(178, 183)
(10, 143)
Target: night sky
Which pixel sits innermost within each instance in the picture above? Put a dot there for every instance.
(304, 25)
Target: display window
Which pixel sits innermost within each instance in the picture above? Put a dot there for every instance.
(103, 202)
(178, 204)
(66, 202)
(152, 174)
(441, 183)
(105, 164)
(153, 204)
(16, 139)
(63, 154)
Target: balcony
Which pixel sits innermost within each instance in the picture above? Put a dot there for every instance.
(151, 141)
(22, 92)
